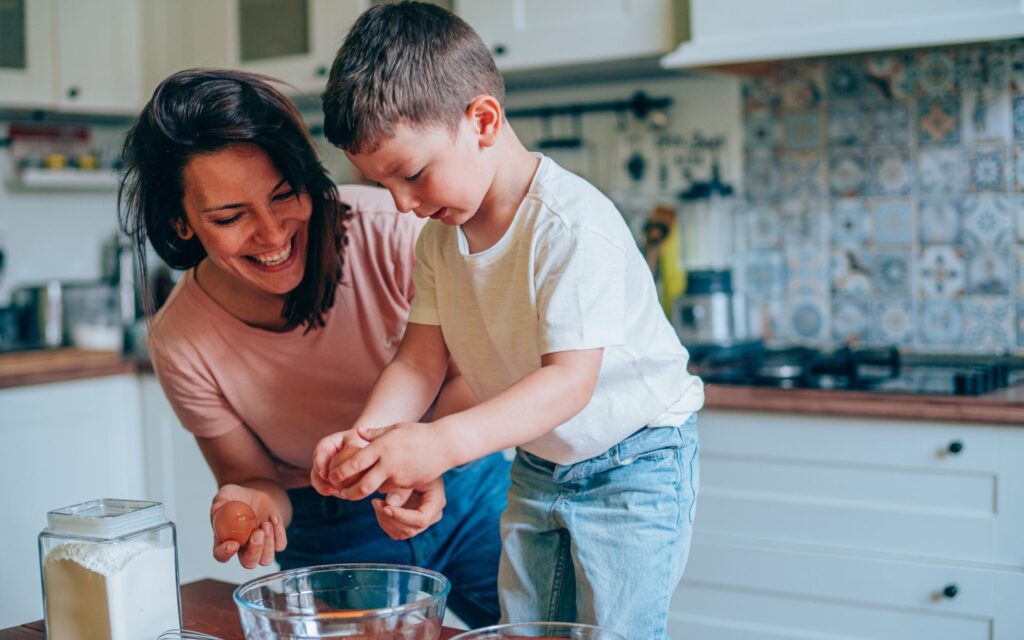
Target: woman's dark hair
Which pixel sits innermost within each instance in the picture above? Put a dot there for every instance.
(202, 111)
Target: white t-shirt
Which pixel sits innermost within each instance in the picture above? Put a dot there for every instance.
(566, 275)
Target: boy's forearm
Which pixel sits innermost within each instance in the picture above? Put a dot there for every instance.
(527, 410)
(402, 393)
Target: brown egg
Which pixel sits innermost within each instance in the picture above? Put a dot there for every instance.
(234, 521)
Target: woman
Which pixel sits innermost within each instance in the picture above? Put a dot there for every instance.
(295, 298)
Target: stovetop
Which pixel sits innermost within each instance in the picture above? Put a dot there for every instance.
(880, 370)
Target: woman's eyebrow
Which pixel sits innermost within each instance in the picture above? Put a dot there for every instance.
(236, 205)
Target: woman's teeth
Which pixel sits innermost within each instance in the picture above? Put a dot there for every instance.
(275, 258)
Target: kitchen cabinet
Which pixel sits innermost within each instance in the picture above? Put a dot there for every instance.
(62, 444)
(292, 40)
(736, 31)
(80, 56)
(531, 34)
(827, 527)
(26, 56)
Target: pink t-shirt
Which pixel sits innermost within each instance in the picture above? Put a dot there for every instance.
(291, 389)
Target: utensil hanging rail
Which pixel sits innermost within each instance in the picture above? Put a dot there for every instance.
(640, 104)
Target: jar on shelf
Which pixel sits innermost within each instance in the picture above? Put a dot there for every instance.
(109, 571)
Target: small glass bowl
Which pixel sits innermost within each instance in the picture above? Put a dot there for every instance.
(364, 601)
(542, 630)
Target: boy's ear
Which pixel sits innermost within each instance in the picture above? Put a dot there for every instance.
(485, 114)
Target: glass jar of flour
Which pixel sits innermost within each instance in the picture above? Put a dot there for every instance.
(110, 571)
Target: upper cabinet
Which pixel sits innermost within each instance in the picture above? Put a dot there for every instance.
(532, 34)
(71, 55)
(292, 40)
(735, 31)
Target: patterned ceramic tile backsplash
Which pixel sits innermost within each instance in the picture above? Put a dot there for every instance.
(886, 199)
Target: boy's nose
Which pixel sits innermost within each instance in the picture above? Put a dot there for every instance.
(405, 202)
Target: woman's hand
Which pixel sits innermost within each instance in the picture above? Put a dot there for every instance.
(328, 454)
(267, 539)
(403, 515)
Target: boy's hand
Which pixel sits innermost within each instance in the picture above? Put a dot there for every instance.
(403, 456)
(264, 541)
(329, 453)
(403, 515)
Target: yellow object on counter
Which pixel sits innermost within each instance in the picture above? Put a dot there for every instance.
(672, 276)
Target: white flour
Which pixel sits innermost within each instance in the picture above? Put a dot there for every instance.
(125, 591)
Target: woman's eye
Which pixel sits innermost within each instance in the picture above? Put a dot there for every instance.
(223, 222)
(284, 196)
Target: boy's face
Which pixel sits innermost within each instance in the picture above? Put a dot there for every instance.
(430, 171)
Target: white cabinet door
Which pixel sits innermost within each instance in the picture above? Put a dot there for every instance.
(177, 476)
(742, 592)
(61, 444)
(27, 65)
(525, 34)
(730, 31)
(99, 46)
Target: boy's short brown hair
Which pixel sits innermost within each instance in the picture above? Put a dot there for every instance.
(411, 63)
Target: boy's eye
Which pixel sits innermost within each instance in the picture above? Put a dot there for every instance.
(223, 222)
(414, 177)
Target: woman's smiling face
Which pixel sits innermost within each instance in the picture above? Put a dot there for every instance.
(251, 222)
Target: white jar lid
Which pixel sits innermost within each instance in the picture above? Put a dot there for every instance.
(105, 518)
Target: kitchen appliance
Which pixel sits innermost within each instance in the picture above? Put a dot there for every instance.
(42, 313)
(344, 600)
(884, 370)
(710, 312)
(82, 314)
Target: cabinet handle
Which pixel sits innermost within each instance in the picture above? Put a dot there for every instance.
(950, 591)
(955, 447)
(500, 49)
(73, 92)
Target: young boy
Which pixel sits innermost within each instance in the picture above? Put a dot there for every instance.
(530, 281)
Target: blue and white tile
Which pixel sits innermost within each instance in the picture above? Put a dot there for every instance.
(890, 172)
(844, 78)
(807, 320)
(761, 174)
(1020, 324)
(848, 174)
(1018, 211)
(1017, 116)
(848, 124)
(765, 317)
(763, 227)
(893, 323)
(851, 320)
(894, 221)
(851, 271)
(762, 130)
(888, 75)
(935, 72)
(1019, 253)
(983, 67)
(1018, 168)
(938, 120)
(941, 324)
(891, 272)
(940, 169)
(851, 223)
(990, 271)
(807, 269)
(988, 220)
(765, 272)
(989, 323)
(940, 220)
(986, 168)
(801, 84)
(803, 174)
(1016, 67)
(941, 272)
(890, 124)
(803, 221)
(802, 130)
(760, 94)
(986, 117)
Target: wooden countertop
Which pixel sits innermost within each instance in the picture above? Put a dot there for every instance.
(1005, 406)
(206, 606)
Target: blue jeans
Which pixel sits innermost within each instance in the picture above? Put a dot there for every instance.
(464, 545)
(603, 541)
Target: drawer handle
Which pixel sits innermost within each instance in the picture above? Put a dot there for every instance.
(955, 447)
(950, 591)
